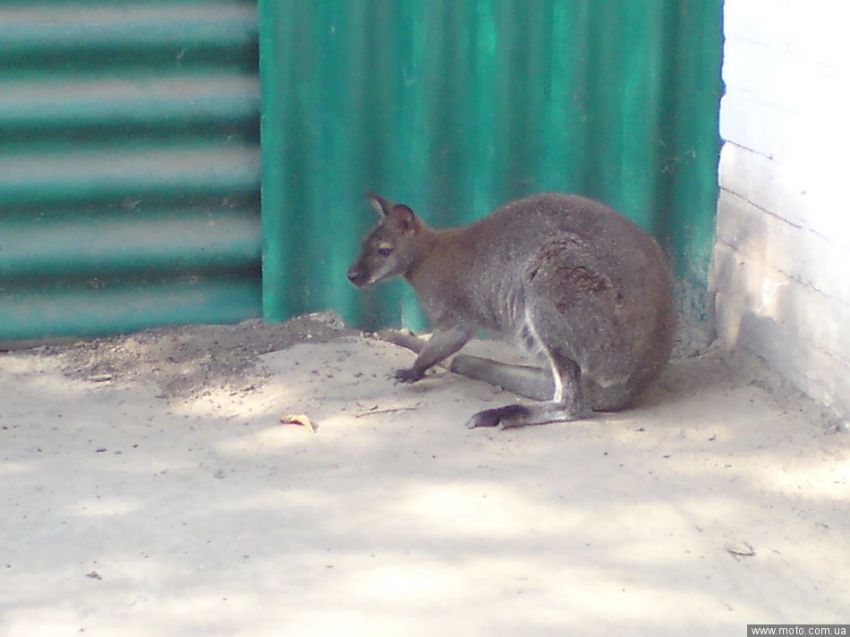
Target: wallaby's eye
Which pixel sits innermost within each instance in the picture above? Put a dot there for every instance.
(385, 250)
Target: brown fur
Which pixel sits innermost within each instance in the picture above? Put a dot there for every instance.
(569, 276)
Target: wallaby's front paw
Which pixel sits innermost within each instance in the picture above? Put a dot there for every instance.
(408, 375)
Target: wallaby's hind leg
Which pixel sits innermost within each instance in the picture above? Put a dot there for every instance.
(525, 380)
(570, 401)
(570, 397)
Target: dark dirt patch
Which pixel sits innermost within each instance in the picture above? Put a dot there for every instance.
(190, 359)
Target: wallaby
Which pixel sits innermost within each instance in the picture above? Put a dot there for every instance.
(576, 282)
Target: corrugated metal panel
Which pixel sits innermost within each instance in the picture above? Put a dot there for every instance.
(455, 106)
(129, 165)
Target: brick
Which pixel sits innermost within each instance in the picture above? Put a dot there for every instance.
(812, 29)
(809, 317)
(800, 254)
(784, 79)
(807, 192)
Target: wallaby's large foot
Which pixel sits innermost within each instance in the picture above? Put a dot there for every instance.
(511, 416)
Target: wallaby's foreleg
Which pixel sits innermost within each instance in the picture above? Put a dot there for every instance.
(524, 380)
(442, 344)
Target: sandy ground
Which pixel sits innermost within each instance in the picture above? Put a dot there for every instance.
(150, 489)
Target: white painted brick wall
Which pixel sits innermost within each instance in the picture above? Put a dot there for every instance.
(781, 270)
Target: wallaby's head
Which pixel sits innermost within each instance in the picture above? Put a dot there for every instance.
(388, 250)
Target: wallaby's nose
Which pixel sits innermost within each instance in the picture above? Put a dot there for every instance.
(355, 276)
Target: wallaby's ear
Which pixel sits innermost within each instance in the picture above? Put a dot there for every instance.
(405, 218)
(379, 204)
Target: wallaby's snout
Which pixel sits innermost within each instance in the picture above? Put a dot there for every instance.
(358, 277)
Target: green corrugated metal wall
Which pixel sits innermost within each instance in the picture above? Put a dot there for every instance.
(129, 165)
(454, 106)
